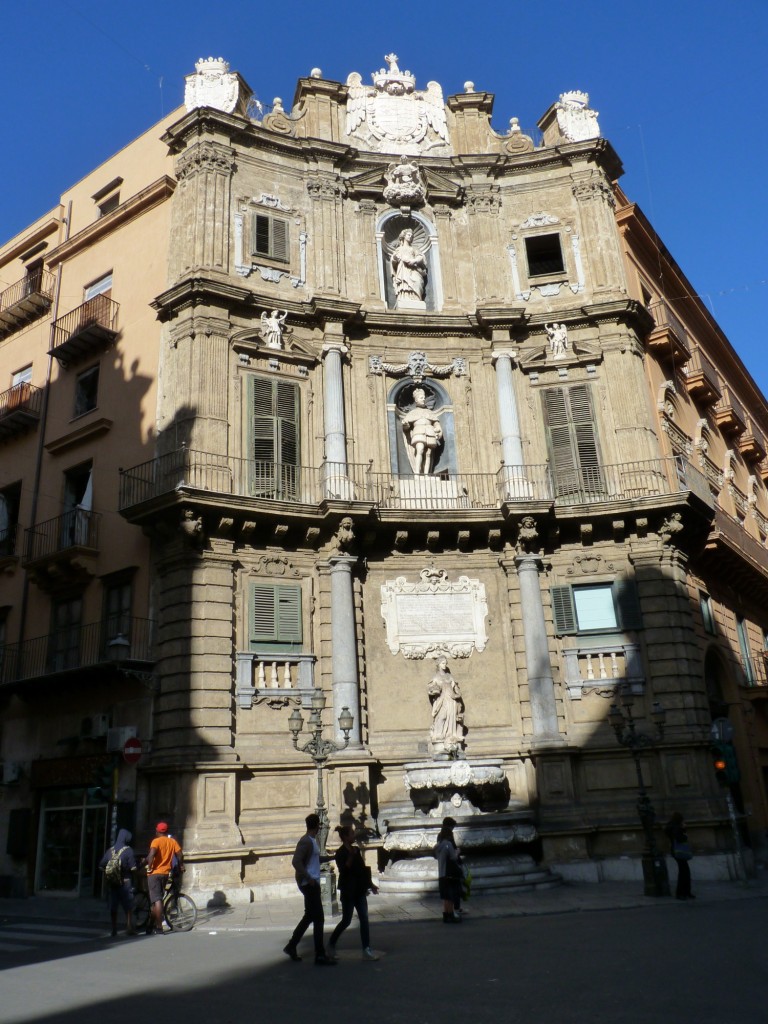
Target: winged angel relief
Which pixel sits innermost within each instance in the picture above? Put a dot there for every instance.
(392, 114)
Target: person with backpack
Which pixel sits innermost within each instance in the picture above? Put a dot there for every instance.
(162, 851)
(118, 865)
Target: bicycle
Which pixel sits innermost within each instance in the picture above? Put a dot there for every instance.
(179, 909)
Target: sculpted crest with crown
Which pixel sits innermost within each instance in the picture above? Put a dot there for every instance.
(393, 114)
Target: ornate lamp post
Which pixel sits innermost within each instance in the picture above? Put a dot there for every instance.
(655, 877)
(320, 750)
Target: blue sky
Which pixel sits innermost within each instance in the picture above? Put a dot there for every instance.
(680, 85)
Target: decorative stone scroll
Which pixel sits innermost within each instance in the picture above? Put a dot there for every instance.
(434, 617)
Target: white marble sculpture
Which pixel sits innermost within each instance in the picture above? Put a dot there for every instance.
(447, 731)
(423, 434)
(212, 85)
(404, 184)
(273, 327)
(574, 118)
(392, 114)
(409, 272)
(558, 339)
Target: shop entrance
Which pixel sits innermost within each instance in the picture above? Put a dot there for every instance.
(73, 837)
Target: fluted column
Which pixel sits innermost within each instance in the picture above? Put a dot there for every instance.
(346, 690)
(509, 421)
(541, 685)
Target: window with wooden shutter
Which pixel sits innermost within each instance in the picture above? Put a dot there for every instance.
(274, 437)
(572, 442)
(275, 617)
(563, 611)
(270, 237)
(596, 607)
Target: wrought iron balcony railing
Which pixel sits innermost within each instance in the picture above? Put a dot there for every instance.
(26, 300)
(87, 328)
(20, 408)
(77, 647)
(189, 470)
(76, 529)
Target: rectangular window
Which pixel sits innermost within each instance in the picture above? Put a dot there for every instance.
(116, 616)
(22, 376)
(103, 286)
(596, 608)
(64, 642)
(746, 653)
(76, 523)
(109, 204)
(544, 254)
(707, 613)
(275, 617)
(274, 437)
(572, 442)
(270, 237)
(10, 497)
(86, 390)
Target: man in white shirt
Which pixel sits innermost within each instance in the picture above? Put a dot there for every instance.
(306, 864)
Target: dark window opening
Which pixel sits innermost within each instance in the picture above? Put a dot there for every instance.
(544, 254)
(86, 391)
(10, 497)
(109, 204)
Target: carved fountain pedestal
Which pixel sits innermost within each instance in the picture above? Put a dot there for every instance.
(492, 832)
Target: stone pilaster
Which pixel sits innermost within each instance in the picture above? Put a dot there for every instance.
(201, 209)
(327, 193)
(483, 207)
(596, 203)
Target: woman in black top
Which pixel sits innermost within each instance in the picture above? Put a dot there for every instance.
(681, 851)
(354, 883)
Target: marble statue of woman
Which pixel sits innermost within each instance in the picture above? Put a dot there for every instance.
(273, 326)
(423, 434)
(447, 732)
(409, 272)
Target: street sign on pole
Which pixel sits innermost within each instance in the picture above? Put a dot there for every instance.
(132, 750)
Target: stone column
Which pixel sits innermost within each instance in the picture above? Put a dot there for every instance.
(346, 690)
(336, 479)
(509, 422)
(541, 685)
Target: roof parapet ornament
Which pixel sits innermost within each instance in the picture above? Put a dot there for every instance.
(213, 85)
(576, 121)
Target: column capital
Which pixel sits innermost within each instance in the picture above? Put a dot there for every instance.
(345, 563)
(504, 353)
(335, 345)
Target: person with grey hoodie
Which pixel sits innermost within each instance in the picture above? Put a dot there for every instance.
(121, 894)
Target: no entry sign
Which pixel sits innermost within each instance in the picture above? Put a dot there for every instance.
(132, 750)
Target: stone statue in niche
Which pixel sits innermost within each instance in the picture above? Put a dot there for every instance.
(423, 434)
(273, 327)
(558, 339)
(409, 272)
(447, 732)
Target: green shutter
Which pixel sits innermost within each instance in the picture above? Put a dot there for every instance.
(585, 435)
(270, 237)
(280, 248)
(627, 603)
(274, 437)
(559, 441)
(260, 241)
(563, 610)
(275, 616)
(572, 441)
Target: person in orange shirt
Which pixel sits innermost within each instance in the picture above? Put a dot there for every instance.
(162, 850)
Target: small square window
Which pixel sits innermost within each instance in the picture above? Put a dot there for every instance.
(22, 376)
(544, 255)
(86, 391)
(109, 204)
(270, 237)
(103, 286)
(595, 608)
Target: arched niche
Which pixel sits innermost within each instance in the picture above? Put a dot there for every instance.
(425, 240)
(400, 403)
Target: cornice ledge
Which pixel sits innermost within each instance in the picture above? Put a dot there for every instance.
(87, 432)
(155, 193)
(329, 309)
(196, 289)
(402, 322)
(616, 310)
(37, 234)
(489, 316)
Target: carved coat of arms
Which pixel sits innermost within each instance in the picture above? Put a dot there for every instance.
(212, 85)
(575, 119)
(392, 114)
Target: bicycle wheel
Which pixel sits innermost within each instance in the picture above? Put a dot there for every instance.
(181, 912)
(140, 911)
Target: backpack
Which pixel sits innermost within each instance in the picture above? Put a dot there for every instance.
(113, 872)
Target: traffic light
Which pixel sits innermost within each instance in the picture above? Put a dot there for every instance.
(103, 777)
(725, 764)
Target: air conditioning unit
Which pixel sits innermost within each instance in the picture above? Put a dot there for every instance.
(11, 772)
(117, 735)
(93, 727)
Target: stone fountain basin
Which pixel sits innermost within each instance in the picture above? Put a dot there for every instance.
(457, 774)
(502, 828)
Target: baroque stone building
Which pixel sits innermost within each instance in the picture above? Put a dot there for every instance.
(318, 398)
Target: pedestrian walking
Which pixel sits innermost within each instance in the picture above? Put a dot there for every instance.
(163, 850)
(119, 865)
(354, 882)
(450, 872)
(306, 864)
(680, 849)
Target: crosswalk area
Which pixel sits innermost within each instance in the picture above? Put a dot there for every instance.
(30, 936)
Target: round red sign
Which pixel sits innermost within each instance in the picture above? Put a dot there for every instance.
(132, 750)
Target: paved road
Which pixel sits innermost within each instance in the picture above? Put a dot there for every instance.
(701, 962)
